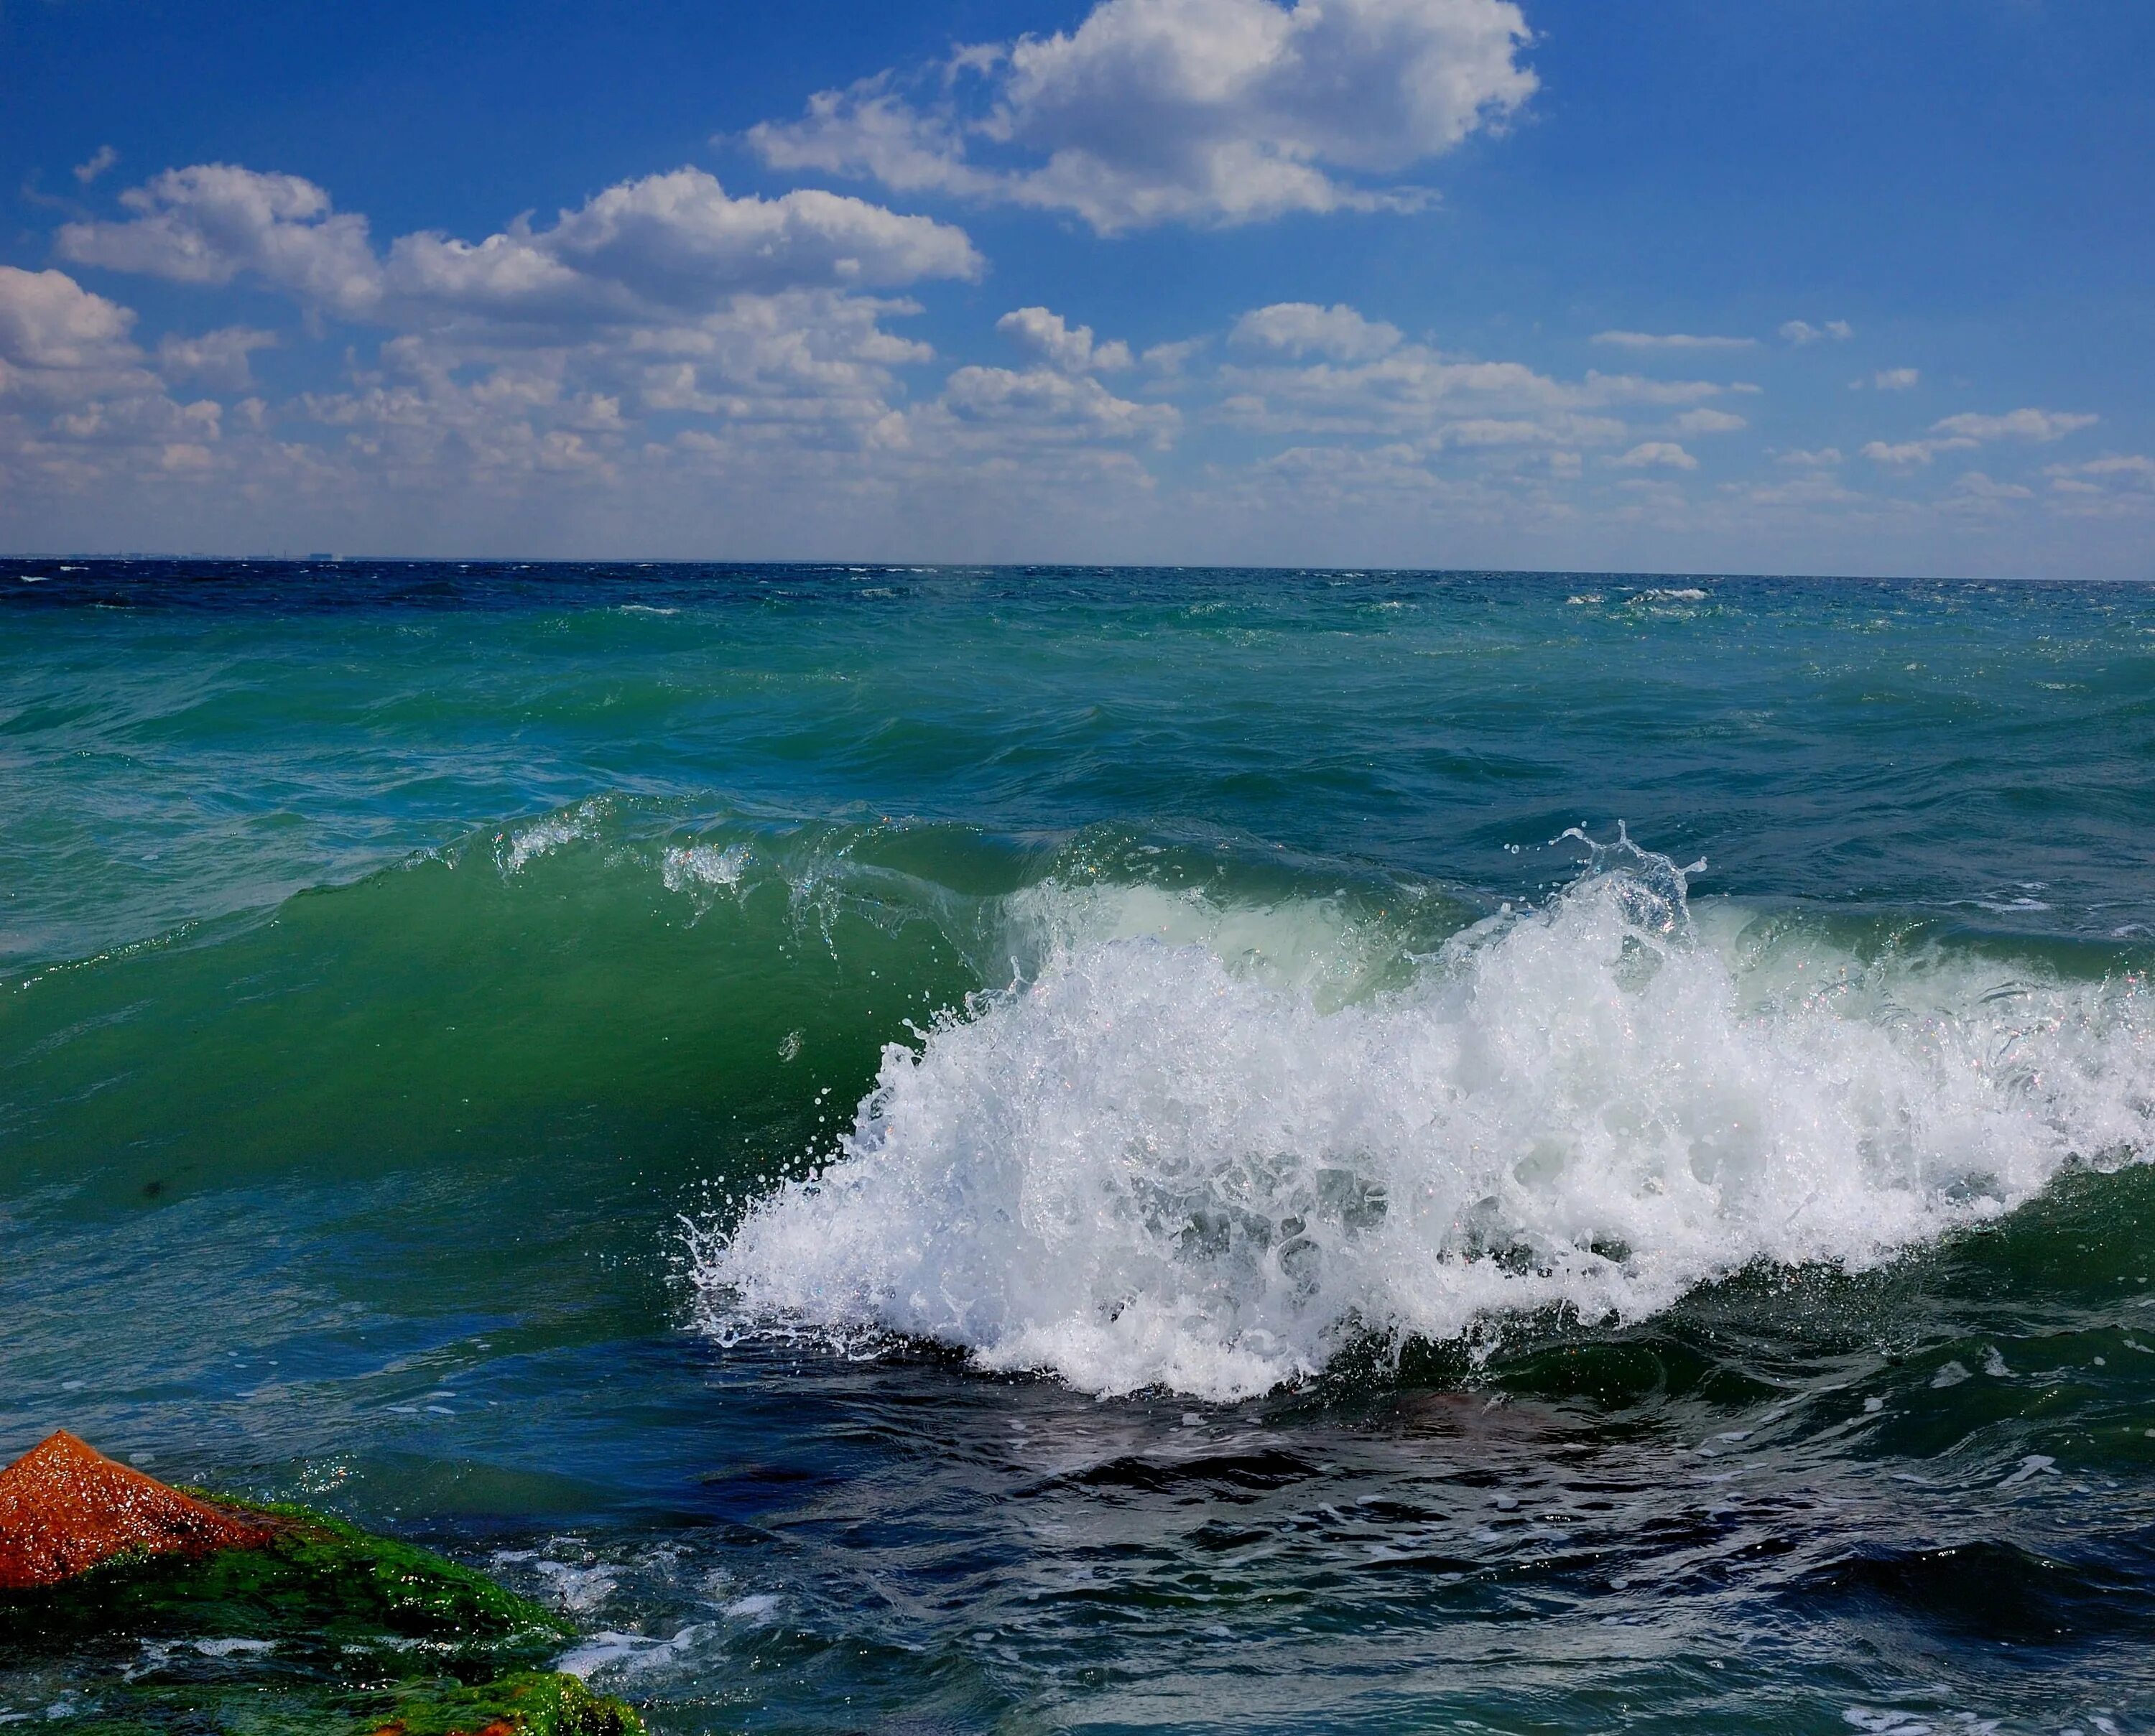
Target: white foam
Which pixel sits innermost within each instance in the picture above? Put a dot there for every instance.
(1317, 946)
(1177, 1158)
(627, 1654)
(515, 850)
(580, 1589)
(685, 867)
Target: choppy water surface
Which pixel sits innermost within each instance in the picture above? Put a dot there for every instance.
(967, 1150)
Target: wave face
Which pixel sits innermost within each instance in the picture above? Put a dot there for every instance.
(1164, 1160)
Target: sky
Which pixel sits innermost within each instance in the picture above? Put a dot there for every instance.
(1832, 286)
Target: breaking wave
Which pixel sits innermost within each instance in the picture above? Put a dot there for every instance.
(1193, 1147)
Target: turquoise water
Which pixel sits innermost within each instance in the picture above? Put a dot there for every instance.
(1105, 1150)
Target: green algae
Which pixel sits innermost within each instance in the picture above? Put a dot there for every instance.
(326, 1630)
(529, 1703)
(537, 1704)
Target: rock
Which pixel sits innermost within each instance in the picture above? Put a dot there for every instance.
(65, 1508)
(157, 1603)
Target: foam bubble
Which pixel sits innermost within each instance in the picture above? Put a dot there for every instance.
(516, 849)
(685, 867)
(1161, 1162)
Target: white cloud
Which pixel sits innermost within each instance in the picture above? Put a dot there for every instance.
(1809, 493)
(1896, 379)
(2042, 425)
(1071, 349)
(1974, 489)
(50, 324)
(1704, 421)
(1297, 329)
(76, 405)
(101, 159)
(1662, 454)
(218, 359)
(666, 243)
(2120, 485)
(1825, 459)
(208, 223)
(1802, 331)
(2122, 470)
(1304, 369)
(1156, 111)
(679, 240)
(1670, 340)
(663, 342)
(1962, 433)
(1904, 453)
(1044, 402)
(1171, 361)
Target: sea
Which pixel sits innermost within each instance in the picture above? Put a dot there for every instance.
(1034, 1149)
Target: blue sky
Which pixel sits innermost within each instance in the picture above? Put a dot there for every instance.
(1796, 285)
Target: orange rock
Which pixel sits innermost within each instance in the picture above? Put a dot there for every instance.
(64, 1508)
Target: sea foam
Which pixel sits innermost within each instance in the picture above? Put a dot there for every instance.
(1169, 1158)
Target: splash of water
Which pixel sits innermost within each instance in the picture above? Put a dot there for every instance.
(1151, 1164)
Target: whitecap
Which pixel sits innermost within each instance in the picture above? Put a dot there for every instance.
(1204, 1147)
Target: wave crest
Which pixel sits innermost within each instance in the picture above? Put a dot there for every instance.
(1151, 1164)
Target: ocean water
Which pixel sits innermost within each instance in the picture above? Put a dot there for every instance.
(1097, 1150)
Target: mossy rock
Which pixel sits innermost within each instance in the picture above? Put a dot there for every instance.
(543, 1703)
(318, 1580)
(528, 1703)
(340, 1634)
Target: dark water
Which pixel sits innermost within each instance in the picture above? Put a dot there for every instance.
(1328, 1251)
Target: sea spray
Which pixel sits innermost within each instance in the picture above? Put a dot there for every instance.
(1152, 1164)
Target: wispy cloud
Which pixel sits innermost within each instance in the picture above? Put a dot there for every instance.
(101, 159)
(1672, 340)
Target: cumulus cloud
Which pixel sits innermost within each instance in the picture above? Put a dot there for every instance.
(1210, 111)
(1046, 403)
(541, 349)
(1070, 349)
(1896, 379)
(1656, 454)
(680, 240)
(1705, 420)
(1298, 329)
(2120, 485)
(1802, 331)
(2042, 425)
(210, 223)
(217, 358)
(75, 402)
(1964, 432)
(1973, 488)
(1670, 340)
(1902, 453)
(670, 242)
(1298, 368)
(50, 324)
(2126, 470)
